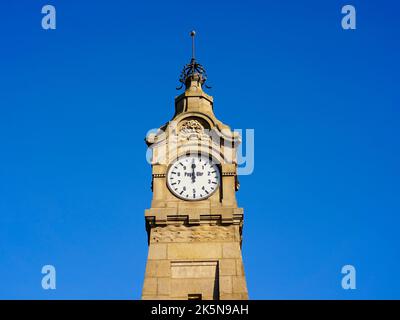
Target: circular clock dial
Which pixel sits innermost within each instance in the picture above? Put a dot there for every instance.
(193, 177)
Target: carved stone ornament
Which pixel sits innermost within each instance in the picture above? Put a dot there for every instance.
(191, 126)
(193, 234)
(192, 130)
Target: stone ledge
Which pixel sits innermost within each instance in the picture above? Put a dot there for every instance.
(155, 221)
(163, 215)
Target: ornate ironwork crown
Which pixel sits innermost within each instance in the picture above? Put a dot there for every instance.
(193, 70)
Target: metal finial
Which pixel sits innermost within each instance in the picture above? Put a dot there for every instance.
(193, 34)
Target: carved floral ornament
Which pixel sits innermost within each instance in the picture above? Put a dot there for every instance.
(191, 126)
(192, 130)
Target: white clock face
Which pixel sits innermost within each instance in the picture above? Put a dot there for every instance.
(193, 177)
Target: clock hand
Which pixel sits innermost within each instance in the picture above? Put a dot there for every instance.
(193, 174)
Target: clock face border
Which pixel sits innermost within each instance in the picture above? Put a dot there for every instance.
(214, 163)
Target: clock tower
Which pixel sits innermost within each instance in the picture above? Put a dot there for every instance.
(194, 224)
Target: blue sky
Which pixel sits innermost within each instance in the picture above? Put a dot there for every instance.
(76, 103)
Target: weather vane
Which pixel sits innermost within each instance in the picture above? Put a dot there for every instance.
(193, 70)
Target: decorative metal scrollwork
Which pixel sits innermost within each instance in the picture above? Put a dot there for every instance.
(193, 70)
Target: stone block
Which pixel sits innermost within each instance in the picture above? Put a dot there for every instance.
(163, 286)
(225, 284)
(239, 267)
(194, 269)
(150, 286)
(158, 268)
(187, 251)
(231, 250)
(227, 267)
(231, 296)
(239, 284)
(157, 251)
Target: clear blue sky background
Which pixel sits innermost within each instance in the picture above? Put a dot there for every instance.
(76, 103)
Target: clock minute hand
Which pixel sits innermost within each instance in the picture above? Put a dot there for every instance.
(193, 174)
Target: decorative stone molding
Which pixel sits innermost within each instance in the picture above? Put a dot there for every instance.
(159, 175)
(228, 174)
(202, 233)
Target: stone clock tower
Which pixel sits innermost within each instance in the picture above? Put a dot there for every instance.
(194, 225)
